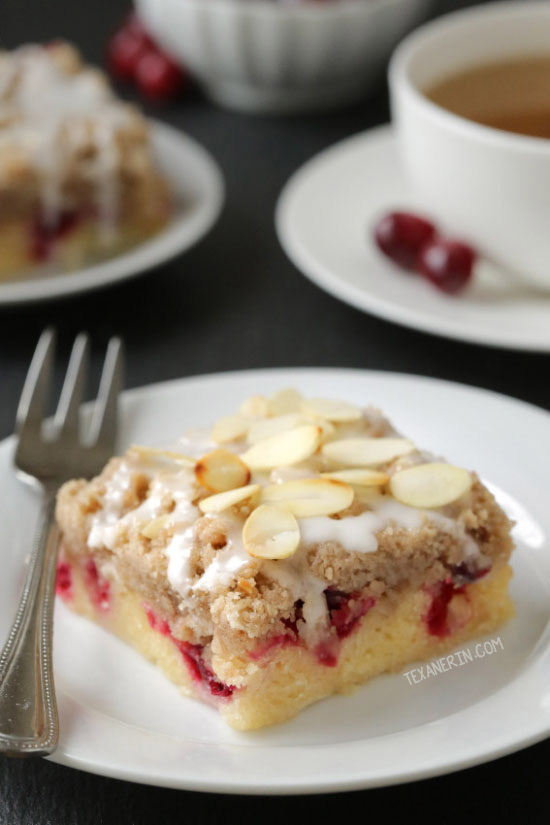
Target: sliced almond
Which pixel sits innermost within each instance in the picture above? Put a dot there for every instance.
(271, 533)
(223, 501)
(327, 428)
(267, 427)
(430, 485)
(284, 402)
(361, 452)
(255, 406)
(310, 496)
(338, 411)
(148, 453)
(230, 428)
(153, 528)
(284, 449)
(221, 470)
(362, 477)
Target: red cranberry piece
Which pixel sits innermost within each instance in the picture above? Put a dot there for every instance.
(44, 234)
(436, 617)
(401, 236)
(156, 623)
(158, 77)
(64, 580)
(124, 52)
(200, 672)
(98, 587)
(446, 264)
(465, 573)
(346, 610)
(327, 653)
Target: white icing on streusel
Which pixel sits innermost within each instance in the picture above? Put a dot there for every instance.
(178, 553)
(359, 533)
(109, 521)
(228, 562)
(295, 575)
(104, 524)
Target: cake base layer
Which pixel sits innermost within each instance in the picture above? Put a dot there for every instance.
(287, 679)
(78, 244)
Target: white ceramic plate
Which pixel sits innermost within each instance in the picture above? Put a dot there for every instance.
(198, 188)
(324, 220)
(121, 718)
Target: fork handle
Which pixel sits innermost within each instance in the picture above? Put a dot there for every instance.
(28, 711)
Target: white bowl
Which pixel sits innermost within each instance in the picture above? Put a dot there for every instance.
(489, 186)
(268, 56)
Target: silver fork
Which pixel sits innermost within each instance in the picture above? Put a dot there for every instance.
(46, 457)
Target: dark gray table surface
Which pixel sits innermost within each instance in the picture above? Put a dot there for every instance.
(234, 302)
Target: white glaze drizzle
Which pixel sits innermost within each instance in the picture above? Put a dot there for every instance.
(107, 523)
(228, 562)
(295, 575)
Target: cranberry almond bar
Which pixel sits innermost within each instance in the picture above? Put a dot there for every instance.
(77, 179)
(298, 549)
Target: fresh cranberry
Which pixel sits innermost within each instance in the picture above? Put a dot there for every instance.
(124, 51)
(158, 77)
(401, 236)
(447, 264)
(64, 580)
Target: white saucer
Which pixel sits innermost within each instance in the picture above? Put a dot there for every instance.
(198, 188)
(121, 718)
(324, 219)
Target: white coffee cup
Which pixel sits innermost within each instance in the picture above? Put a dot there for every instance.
(480, 184)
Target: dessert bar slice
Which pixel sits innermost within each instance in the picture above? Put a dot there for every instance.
(77, 179)
(298, 549)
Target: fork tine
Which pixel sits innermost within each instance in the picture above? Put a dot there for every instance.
(32, 404)
(66, 415)
(105, 416)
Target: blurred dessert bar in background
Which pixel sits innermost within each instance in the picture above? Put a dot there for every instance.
(77, 176)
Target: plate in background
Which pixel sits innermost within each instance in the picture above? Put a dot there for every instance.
(324, 219)
(198, 189)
